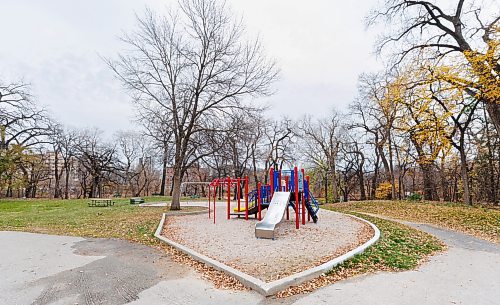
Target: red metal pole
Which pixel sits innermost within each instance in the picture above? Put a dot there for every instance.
(228, 196)
(209, 201)
(246, 197)
(279, 181)
(308, 197)
(259, 200)
(271, 180)
(303, 202)
(296, 182)
(215, 197)
(287, 207)
(238, 190)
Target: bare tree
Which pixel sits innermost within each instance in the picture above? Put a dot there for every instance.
(365, 118)
(467, 29)
(136, 154)
(197, 66)
(378, 113)
(128, 144)
(256, 147)
(321, 146)
(460, 122)
(22, 122)
(57, 170)
(279, 144)
(96, 160)
(157, 124)
(66, 140)
(23, 125)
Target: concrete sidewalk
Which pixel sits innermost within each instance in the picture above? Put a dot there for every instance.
(46, 269)
(468, 273)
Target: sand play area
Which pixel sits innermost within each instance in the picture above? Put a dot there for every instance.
(233, 241)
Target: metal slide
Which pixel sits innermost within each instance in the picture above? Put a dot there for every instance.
(266, 228)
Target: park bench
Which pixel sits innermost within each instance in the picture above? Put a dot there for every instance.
(195, 196)
(135, 200)
(100, 202)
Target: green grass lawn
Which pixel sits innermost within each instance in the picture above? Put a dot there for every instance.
(474, 220)
(76, 218)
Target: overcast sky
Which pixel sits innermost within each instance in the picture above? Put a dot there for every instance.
(320, 46)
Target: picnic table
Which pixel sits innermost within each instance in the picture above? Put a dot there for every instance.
(135, 200)
(100, 202)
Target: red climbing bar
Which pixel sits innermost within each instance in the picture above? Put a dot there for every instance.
(209, 201)
(296, 187)
(228, 196)
(246, 197)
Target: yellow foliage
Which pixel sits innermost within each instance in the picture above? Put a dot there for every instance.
(479, 72)
(384, 191)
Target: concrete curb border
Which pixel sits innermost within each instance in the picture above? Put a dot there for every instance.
(273, 287)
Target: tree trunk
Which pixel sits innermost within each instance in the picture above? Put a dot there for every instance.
(66, 184)
(334, 185)
(388, 169)
(163, 175)
(95, 187)
(361, 180)
(430, 192)
(492, 192)
(176, 188)
(57, 188)
(493, 109)
(391, 168)
(375, 175)
(465, 177)
(326, 187)
(254, 169)
(346, 194)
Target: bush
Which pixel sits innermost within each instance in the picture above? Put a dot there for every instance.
(414, 197)
(384, 191)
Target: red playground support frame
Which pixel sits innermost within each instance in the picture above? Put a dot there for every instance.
(215, 198)
(271, 180)
(228, 197)
(287, 206)
(303, 201)
(228, 182)
(263, 194)
(296, 187)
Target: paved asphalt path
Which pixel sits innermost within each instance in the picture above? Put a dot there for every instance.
(47, 269)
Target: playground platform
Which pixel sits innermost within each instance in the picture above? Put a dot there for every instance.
(233, 242)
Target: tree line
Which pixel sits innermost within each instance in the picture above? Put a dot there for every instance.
(427, 126)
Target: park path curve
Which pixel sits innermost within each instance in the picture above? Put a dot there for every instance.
(467, 273)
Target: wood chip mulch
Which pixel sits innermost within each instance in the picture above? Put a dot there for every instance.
(223, 281)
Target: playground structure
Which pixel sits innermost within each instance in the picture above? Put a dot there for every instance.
(184, 186)
(291, 187)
